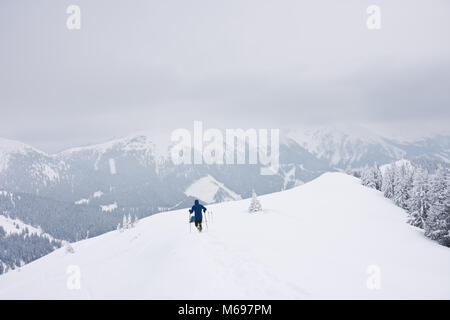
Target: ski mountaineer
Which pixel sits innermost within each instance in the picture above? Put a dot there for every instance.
(197, 208)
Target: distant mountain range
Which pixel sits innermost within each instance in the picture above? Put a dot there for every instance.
(136, 174)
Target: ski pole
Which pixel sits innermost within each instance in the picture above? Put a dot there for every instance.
(206, 220)
(189, 221)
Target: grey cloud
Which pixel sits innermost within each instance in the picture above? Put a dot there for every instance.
(161, 64)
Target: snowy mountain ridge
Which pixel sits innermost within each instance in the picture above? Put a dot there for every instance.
(313, 138)
(136, 173)
(10, 147)
(273, 254)
(345, 146)
(209, 190)
(13, 146)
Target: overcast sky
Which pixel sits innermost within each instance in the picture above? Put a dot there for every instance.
(138, 65)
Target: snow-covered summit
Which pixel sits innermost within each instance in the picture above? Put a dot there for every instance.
(139, 141)
(209, 190)
(148, 143)
(9, 148)
(309, 135)
(344, 145)
(13, 146)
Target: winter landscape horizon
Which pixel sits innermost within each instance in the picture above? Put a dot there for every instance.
(228, 150)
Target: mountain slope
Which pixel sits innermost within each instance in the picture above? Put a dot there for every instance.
(209, 190)
(61, 220)
(312, 241)
(25, 169)
(346, 146)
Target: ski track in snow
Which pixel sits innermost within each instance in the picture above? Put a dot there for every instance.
(249, 272)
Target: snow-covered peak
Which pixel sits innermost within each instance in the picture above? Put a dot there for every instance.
(343, 145)
(129, 142)
(144, 141)
(8, 146)
(11, 147)
(209, 190)
(313, 136)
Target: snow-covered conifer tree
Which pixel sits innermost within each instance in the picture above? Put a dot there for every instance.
(368, 178)
(371, 177)
(402, 186)
(255, 205)
(129, 221)
(377, 176)
(419, 198)
(389, 181)
(124, 222)
(68, 247)
(437, 224)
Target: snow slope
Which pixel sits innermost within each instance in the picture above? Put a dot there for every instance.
(209, 190)
(17, 226)
(317, 240)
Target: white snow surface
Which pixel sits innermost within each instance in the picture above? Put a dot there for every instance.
(82, 201)
(97, 194)
(313, 241)
(207, 187)
(109, 207)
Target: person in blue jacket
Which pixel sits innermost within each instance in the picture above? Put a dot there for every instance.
(197, 208)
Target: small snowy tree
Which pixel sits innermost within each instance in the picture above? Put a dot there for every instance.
(68, 247)
(124, 222)
(129, 222)
(255, 205)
